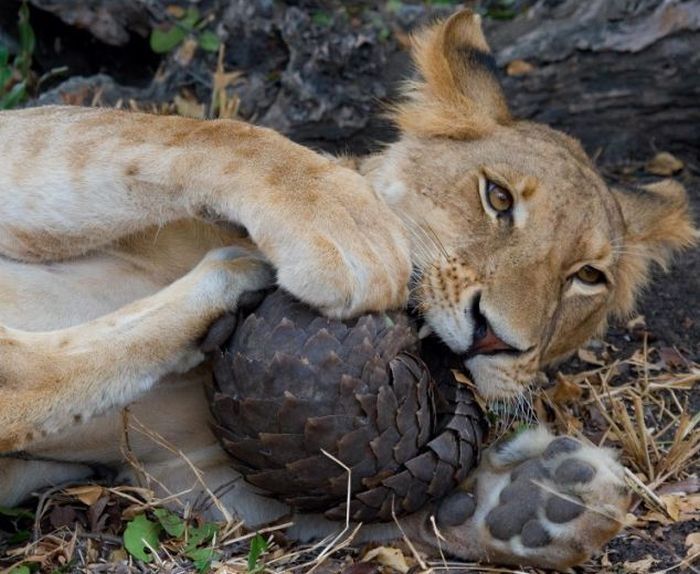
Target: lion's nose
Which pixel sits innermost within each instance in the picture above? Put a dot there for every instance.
(484, 339)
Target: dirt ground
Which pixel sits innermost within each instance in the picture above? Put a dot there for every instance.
(637, 388)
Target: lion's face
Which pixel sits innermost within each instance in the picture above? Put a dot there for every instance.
(516, 243)
(521, 250)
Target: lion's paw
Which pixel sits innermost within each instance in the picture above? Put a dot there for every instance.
(536, 500)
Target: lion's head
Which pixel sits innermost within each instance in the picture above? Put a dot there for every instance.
(521, 250)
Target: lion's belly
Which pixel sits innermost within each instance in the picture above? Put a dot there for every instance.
(44, 297)
(174, 414)
(167, 428)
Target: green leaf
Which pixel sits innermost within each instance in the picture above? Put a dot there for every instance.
(16, 512)
(164, 40)
(189, 19)
(23, 63)
(21, 569)
(27, 41)
(19, 537)
(67, 568)
(14, 97)
(199, 535)
(258, 546)
(393, 5)
(502, 9)
(171, 522)
(5, 75)
(202, 558)
(4, 56)
(140, 534)
(209, 41)
(501, 14)
(321, 18)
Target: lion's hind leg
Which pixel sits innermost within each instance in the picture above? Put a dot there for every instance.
(534, 500)
(52, 380)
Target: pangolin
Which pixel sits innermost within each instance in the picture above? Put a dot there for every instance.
(295, 393)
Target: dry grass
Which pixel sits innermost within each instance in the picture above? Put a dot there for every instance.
(224, 103)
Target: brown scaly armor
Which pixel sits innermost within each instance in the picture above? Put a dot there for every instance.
(290, 383)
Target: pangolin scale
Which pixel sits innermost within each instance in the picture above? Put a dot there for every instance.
(290, 384)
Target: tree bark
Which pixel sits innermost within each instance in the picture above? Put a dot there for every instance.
(624, 77)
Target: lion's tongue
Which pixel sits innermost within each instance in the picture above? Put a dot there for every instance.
(488, 344)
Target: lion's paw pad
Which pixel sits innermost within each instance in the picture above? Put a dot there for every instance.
(525, 500)
(456, 509)
(568, 500)
(540, 500)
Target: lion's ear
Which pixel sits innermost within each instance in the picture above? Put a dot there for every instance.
(658, 222)
(459, 95)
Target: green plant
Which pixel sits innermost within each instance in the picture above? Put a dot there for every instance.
(393, 5)
(16, 523)
(15, 75)
(258, 547)
(502, 9)
(322, 19)
(142, 536)
(167, 38)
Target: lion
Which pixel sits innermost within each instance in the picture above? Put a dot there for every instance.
(124, 236)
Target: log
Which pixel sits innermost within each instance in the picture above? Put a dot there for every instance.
(621, 76)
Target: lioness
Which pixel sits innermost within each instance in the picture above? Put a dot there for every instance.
(517, 248)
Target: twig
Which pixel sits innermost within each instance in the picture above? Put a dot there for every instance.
(408, 542)
(328, 550)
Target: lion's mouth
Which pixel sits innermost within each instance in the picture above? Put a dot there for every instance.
(507, 400)
(434, 351)
(484, 340)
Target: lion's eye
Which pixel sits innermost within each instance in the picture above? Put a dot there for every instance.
(500, 200)
(590, 275)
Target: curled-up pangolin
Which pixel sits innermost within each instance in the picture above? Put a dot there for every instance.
(290, 384)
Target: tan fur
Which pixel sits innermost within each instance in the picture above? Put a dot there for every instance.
(456, 98)
(104, 182)
(106, 215)
(458, 135)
